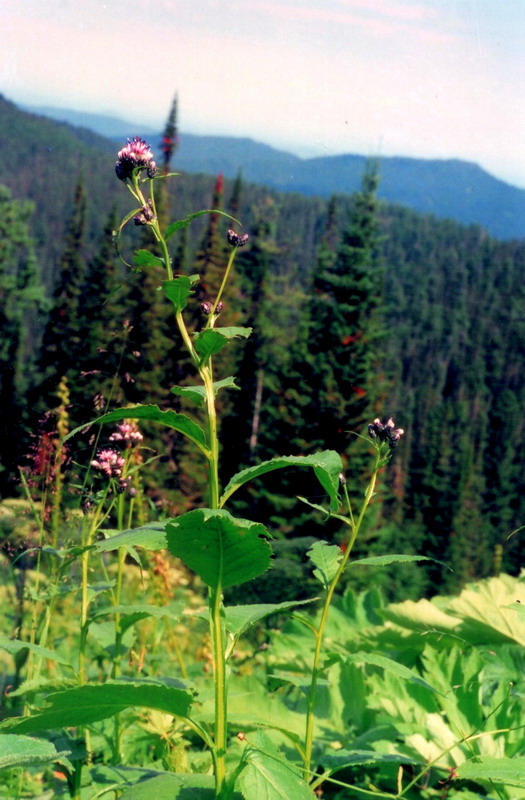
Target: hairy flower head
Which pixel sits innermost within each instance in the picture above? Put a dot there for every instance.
(127, 432)
(136, 154)
(109, 462)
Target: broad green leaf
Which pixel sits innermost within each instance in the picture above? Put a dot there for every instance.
(22, 751)
(143, 258)
(485, 615)
(198, 393)
(171, 419)
(211, 340)
(268, 775)
(131, 614)
(390, 666)
(394, 558)
(222, 550)
(182, 223)
(240, 618)
(14, 646)
(509, 771)
(151, 537)
(174, 787)
(347, 758)
(93, 702)
(179, 289)
(326, 558)
(327, 466)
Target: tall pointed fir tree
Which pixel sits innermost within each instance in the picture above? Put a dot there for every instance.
(331, 387)
(21, 299)
(170, 139)
(102, 315)
(63, 338)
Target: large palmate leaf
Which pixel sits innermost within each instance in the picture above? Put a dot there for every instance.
(171, 419)
(211, 340)
(268, 775)
(14, 646)
(326, 464)
(197, 394)
(23, 751)
(93, 702)
(509, 771)
(179, 290)
(326, 558)
(222, 550)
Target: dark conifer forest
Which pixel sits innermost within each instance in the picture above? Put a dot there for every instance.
(359, 310)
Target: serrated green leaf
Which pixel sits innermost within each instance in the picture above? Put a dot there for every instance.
(174, 787)
(93, 702)
(268, 775)
(171, 419)
(390, 666)
(326, 558)
(394, 558)
(326, 464)
(509, 771)
(211, 340)
(151, 537)
(14, 646)
(222, 550)
(179, 289)
(182, 223)
(130, 614)
(143, 258)
(23, 751)
(240, 618)
(347, 758)
(197, 394)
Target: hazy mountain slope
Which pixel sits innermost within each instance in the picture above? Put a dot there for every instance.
(453, 189)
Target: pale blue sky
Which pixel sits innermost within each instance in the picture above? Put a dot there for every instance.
(424, 78)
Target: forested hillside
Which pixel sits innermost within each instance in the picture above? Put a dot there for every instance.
(360, 309)
(448, 188)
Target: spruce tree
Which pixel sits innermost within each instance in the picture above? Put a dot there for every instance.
(330, 388)
(21, 299)
(63, 338)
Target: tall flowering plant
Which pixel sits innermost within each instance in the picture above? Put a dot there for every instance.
(223, 550)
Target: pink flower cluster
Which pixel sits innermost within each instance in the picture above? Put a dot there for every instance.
(135, 155)
(127, 432)
(109, 462)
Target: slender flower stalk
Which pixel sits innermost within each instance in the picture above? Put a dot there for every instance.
(132, 160)
(384, 437)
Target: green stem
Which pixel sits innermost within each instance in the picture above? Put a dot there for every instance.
(211, 317)
(319, 633)
(215, 602)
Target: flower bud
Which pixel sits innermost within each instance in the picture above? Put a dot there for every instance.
(236, 240)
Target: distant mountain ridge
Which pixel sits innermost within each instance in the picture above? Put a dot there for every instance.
(454, 189)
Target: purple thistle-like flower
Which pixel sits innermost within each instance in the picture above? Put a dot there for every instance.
(127, 432)
(136, 154)
(109, 462)
(385, 432)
